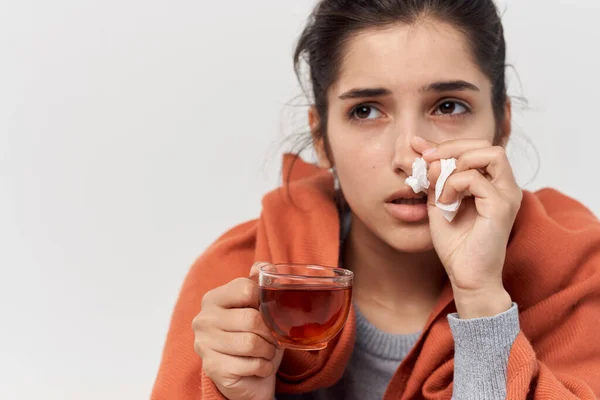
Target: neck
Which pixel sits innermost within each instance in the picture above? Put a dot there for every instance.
(402, 283)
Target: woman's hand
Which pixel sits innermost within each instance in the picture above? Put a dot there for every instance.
(238, 351)
(472, 247)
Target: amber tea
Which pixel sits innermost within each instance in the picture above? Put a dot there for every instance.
(305, 306)
(305, 316)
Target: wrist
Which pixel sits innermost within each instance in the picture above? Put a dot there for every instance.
(482, 303)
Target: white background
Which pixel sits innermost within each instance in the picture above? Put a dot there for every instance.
(132, 133)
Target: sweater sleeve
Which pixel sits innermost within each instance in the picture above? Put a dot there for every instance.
(481, 350)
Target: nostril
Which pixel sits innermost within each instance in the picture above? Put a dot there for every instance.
(403, 160)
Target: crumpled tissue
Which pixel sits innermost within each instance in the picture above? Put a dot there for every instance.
(419, 183)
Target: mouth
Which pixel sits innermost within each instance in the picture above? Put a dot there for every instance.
(407, 207)
(410, 201)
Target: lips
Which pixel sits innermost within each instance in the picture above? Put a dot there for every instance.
(407, 206)
(407, 197)
(410, 201)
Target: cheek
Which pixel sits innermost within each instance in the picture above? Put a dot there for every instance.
(354, 143)
(359, 185)
(356, 149)
(355, 165)
(360, 160)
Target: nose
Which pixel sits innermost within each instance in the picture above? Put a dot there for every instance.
(404, 155)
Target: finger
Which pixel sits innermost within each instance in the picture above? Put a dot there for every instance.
(455, 148)
(470, 180)
(421, 145)
(232, 321)
(243, 344)
(493, 161)
(245, 320)
(223, 367)
(239, 293)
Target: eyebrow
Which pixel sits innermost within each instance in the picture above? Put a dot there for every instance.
(449, 86)
(367, 92)
(445, 86)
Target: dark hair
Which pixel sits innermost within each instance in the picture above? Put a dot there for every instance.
(333, 22)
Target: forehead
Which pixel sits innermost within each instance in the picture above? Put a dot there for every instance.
(407, 57)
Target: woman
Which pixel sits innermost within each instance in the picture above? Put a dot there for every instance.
(501, 302)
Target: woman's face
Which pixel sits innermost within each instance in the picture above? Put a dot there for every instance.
(395, 84)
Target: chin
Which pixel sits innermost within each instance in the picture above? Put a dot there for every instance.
(405, 237)
(409, 239)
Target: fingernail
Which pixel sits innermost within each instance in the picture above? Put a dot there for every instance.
(429, 151)
(419, 139)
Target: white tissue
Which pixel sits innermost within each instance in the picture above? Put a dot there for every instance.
(419, 183)
(448, 210)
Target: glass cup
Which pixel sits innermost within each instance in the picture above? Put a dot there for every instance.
(304, 306)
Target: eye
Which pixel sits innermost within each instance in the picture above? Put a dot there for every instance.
(451, 108)
(365, 112)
